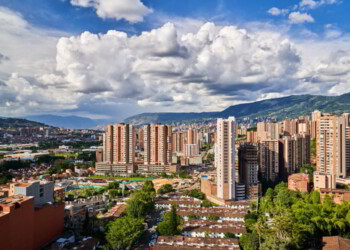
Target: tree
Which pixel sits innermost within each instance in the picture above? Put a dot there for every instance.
(292, 220)
(167, 188)
(88, 193)
(213, 217)
(315, 197)
(183, 174)
(164, 175)
(148, 187)
(250, 219)
(171, 223)
(124, 232)
(308, 169)
(270, 194)
(193, 217)
(114, 192)
(249, 241)
(140, 204)
(195, 193)
(280, 186)
(113, 185)
(210, 157)
(274, 243)
(230, 235)
(286, 197)
(313, 147)
(206, 203)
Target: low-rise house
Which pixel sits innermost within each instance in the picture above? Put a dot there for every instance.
(213, 229)
(224, 214)
(181, 202)
(188, 243)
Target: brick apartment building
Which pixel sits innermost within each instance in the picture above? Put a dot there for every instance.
(337, 195)
(24, 226)
(299, 182)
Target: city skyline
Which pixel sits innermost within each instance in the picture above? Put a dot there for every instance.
(62, 57)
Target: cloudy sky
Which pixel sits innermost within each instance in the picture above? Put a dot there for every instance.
(114, 58)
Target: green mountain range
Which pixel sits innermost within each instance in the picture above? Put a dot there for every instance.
(279, 108)
(19, 123)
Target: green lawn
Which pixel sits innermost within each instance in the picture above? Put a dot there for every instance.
(66, 155)
(122, 178)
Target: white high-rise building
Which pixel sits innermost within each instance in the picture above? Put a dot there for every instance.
(225, 158)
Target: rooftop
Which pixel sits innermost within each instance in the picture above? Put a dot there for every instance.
(298, 177)
(202, 211)
(335, 243)
(115, 211)
(184, 243)
(14, 199)
(7, 204)
(327, 190)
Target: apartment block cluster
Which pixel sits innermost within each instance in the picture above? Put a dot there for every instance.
(29, 216)
(151, 149)
(236, 166)
(285, 147)
(119, 151)
(187, 144)
(332, 134)
(276, 150)
(332, 155)
(204, 227)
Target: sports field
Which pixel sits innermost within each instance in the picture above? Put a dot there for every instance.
(121, 178)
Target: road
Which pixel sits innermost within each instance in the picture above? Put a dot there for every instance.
(151, 235)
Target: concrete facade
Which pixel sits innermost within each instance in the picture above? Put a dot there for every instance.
(331, 142)
(42, 191)
(157, 143)
(270, 156)
(225, 158)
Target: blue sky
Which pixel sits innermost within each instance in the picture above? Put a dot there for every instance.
(62, 15)
(111, 59)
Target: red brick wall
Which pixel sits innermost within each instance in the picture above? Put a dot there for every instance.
(208, 187)
(49, 224)
(26, 228)
(16, 228)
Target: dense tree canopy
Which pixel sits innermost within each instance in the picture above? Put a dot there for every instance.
(293, 220)
(113, 185)
(308, 169)
(171, 224)
(167, 188)
(124, 232)
(148, 187)
(142, 201)
(195, 193)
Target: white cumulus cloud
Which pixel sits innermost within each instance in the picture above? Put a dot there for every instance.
(297, 17)
(131, 10)
(277, 12)
(205, 68)
(163, 67)
(312, 4)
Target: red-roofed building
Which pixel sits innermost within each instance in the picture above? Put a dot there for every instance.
(299, 182)
(335, 243)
